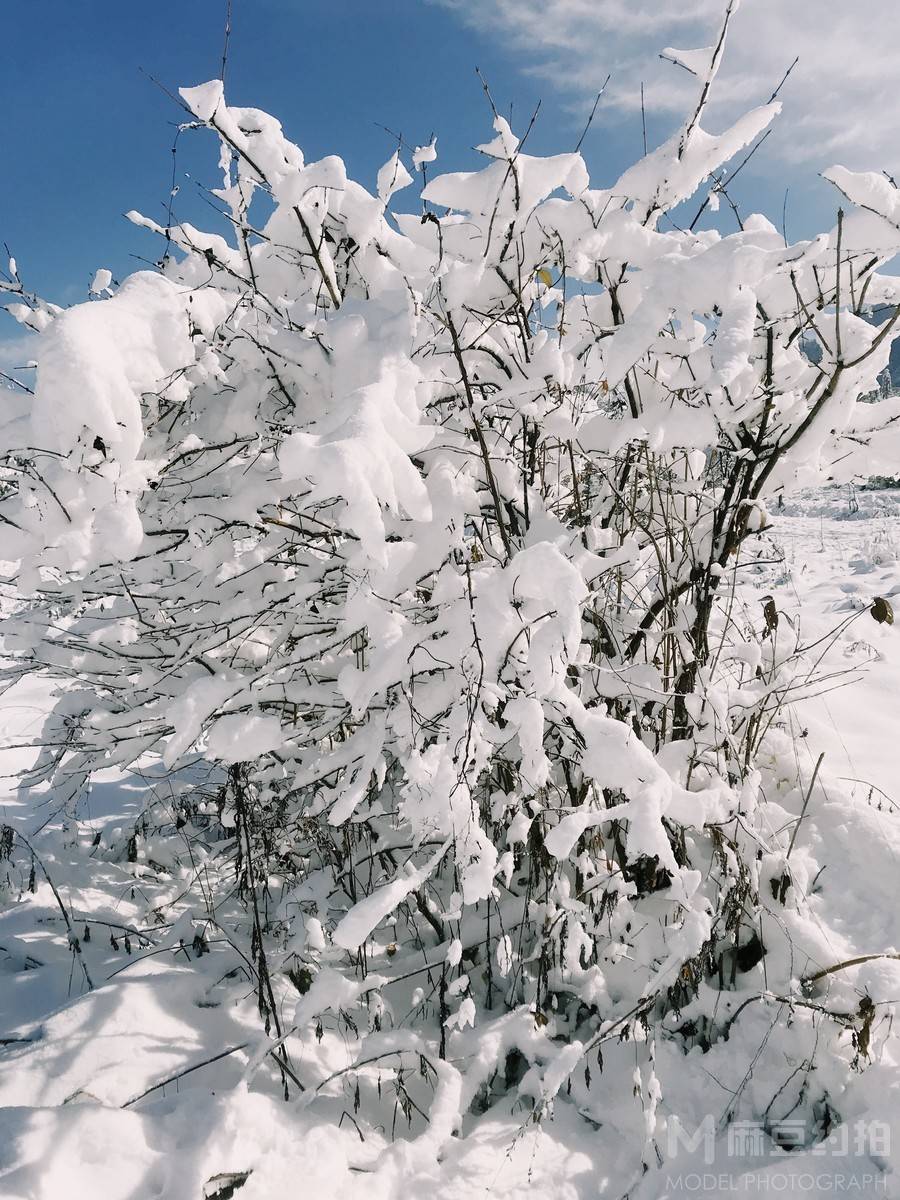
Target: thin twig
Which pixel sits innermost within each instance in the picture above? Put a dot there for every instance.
(808, 980)
(226, 39)
(73, 938)
(812, 784)
(590, 119)
(187, 1071)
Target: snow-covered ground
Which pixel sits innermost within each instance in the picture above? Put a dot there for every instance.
(82, 1110)
(842, 548)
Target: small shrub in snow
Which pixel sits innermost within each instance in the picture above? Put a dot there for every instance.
(417, 520)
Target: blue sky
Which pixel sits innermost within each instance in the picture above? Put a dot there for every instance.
(93, 135)
(87, 136)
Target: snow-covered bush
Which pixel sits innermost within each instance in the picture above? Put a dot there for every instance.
(420, 530)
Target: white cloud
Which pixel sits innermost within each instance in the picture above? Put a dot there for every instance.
(16, 352)
(840, 102)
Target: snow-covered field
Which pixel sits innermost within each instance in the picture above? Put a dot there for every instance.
(842, 549)
(154, 1083)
